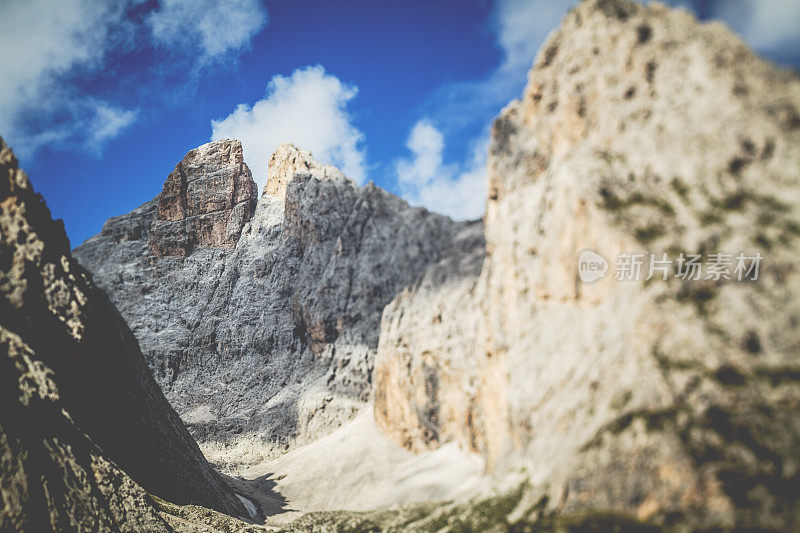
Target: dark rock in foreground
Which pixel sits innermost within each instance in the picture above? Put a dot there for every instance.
(79, 410)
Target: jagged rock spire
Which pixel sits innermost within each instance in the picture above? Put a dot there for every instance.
(284, 163)
(206, 200)
(288, 161)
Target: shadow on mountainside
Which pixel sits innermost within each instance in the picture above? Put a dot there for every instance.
(263, 492)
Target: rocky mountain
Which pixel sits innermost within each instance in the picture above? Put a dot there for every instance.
(84, 428)
(206, 201)
(663, 398)
(260, 319)
(672, 400)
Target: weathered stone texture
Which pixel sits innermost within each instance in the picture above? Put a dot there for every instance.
(274, 337)
(662, 403)
(206, 200)
(640, 131)
(79, 410)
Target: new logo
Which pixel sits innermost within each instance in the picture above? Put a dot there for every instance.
(591, 266)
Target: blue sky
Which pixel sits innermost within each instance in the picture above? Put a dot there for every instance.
(100, 100)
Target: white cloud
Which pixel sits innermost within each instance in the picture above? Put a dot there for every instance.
(107, 123)
(520, 28)
(426, 143)
(309, 109)
(50, 47)
(215, 26)
(457, 191)
(45, 42)
(771, 27)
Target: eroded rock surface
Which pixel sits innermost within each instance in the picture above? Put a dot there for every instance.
(206, 200)
(271, 339)
(79, 410)
(674, 401)
(426, 377)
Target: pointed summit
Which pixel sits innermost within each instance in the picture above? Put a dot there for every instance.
(289, 160)
(206, 200)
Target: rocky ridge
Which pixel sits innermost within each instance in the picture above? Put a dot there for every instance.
(84, 428)
(671, 401)
(271, 337)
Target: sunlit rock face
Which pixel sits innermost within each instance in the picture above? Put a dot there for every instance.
(640, 131)
(206, 200)
(270, 335)
(84, 429)
(669, 401)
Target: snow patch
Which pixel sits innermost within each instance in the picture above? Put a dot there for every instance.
(251, 507)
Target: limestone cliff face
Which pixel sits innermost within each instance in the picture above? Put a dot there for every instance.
(426, 379)
(206, 200)
(272, 337)
(640, 131)
(83, 426)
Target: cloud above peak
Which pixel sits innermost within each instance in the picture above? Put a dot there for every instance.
(52, 41)
(463, 111)
(520, 27)
(307, 108)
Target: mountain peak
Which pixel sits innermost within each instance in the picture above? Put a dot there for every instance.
(289, 160)
(284, 163)
(206, 200)
(223, 151)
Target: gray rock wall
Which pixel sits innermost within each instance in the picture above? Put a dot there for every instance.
(661, 403)
(275, 336)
